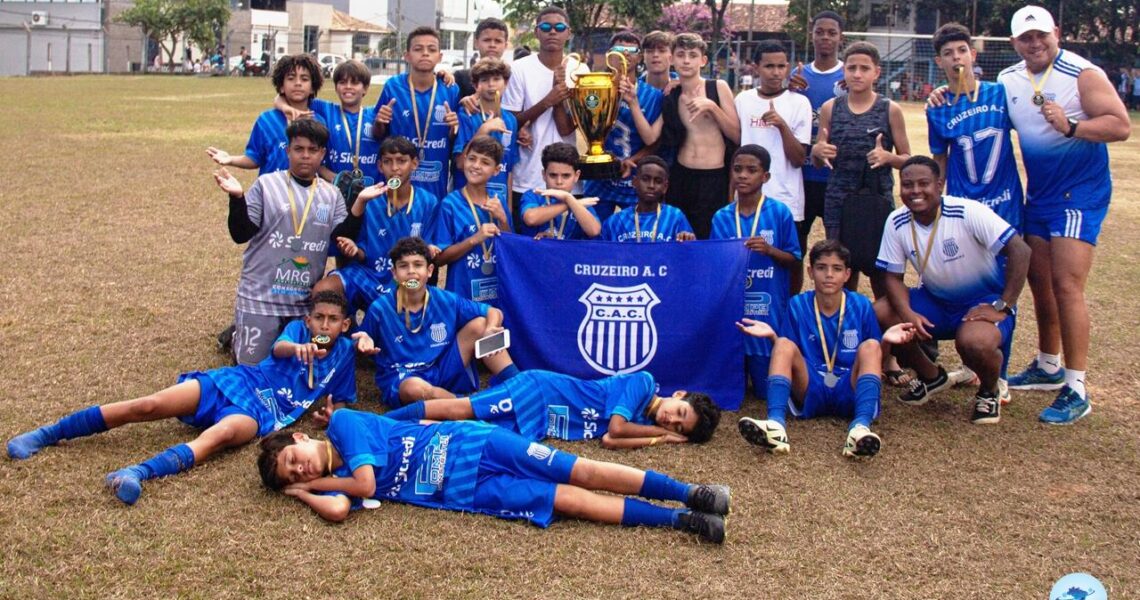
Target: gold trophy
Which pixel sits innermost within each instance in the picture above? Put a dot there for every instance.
(593, 103)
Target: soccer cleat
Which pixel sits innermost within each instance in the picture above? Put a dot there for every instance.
(27, 444)
(710, 499)
(1035, 378)
(127, 485)
(1003, 392)
(767, 434)
(1067, 409)
(226, 339)
(708, 526)
(920, 391)
(987, 408)
(861, 441)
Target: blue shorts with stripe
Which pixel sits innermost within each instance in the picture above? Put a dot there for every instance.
(947, 318)
(518, 478)
(213, 406)
(822, 401)
(1078, 223)
(448, 372)
(362, 285)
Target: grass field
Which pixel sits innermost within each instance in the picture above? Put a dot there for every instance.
(120, 272)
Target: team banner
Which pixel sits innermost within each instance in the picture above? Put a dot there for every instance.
(593, 309)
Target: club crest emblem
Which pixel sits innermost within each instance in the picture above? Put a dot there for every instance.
(617, 334)
(950, 247)
(850, 339)
(438, 332)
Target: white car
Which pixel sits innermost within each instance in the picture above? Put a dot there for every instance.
(329, 63)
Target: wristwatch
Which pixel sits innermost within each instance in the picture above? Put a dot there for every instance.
(1072, 127)
(1000, 306)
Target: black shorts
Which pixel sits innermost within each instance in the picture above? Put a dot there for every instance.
(699, 193)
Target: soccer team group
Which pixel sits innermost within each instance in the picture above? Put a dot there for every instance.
(369, 186)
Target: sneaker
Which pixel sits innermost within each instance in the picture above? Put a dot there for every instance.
(1003, 392)
(920, 391)
(1067, 409)
(767, 434)
(226, 339)
(126, 484)
(987, 409)
(708, 526)
(1035, 378)
(861, 441)
(964, 376)
(709, 499)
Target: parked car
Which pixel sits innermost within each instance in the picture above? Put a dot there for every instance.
(253, 66)
(329, 63)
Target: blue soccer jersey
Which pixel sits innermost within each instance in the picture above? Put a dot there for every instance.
(859, 324)
(623, 142)
(564, 226)
(404, 351)
(473, 275)
(766, 284)
(344, 130)
(277, 390)
(497, 185)
(435, 158)
(661, 225)
(822, 86)
(436, 466)
(975, 137)
(539, 404)
(384, 225)
(267, 142)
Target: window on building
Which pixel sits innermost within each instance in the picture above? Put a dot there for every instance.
(361, 43)
(312, 34)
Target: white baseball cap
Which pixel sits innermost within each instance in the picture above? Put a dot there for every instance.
(1031, 18)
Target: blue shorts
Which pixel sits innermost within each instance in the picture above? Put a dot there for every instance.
(213, 406)
(496, 405)
(518, 478)
(822, 401)
(1078, 223)
(947, 318)
(448, 373)
(362, 285)
(757, 368)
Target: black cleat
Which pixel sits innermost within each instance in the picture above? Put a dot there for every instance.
(710, 499)
(708, 526)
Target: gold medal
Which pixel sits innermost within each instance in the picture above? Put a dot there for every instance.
(322, 341)
(1039, 99)
(394, 183)
(1039, 85)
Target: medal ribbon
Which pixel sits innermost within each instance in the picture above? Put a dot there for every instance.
(421, 134)
(402, 307)
(355, 147)
(1039, 84)
(829, 358)
(637, 225)
(388, 206)
(298, 228)
(962, 91)
(759, 207)
(561, 226)
(922, 259)
(475, 215)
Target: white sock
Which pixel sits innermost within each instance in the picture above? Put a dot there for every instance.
(1050, 363)
(1076, 381)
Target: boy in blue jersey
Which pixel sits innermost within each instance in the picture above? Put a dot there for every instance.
(428, 336)
(624, 410)
(769, 232)
(417, 106)
(830, 361)
(310, 361)
(490, 77)
(554, 212)
(650, 219)
(297, 79)
(970, 135)
(469, 220)
(821, 80)
(635, 131)
(966, 292)
(478, 468)
(380, 216)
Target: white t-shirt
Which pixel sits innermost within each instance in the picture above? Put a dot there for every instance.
(786, 183)
(530, 82)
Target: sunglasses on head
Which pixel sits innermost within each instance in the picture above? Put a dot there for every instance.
(625, 49)
(548, 27)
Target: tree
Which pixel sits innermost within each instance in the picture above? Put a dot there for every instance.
(167, 21)
(689, 18)
(587, 17)
(798, 18)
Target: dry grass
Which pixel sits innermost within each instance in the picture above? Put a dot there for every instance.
(120, 272)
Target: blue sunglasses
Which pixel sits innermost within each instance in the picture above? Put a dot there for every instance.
(548, 27)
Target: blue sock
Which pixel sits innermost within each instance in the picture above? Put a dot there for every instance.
(407, 412)
(80, 423)
(174, 459)
(868, 390)
(640, 513)
(658, 486)
(509, 371)
(779, 391)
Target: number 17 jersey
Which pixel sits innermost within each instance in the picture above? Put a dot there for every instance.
(975, 136)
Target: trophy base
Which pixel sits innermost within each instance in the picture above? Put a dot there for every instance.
(610, 169)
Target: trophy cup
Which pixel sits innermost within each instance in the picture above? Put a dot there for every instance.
(593, 103)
